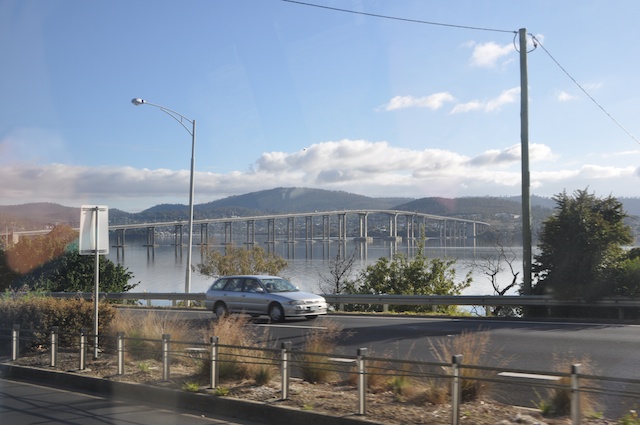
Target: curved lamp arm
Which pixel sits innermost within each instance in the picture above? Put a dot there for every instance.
(173, 114)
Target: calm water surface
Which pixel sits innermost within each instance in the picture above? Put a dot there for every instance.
(162, 268)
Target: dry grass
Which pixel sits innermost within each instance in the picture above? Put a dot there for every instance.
(319, 344)
(474, 348)
(143, 333)
(558, 400)
(234, 332)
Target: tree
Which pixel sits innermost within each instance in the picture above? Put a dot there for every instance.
(339, 278)
(32, 252)
(72, 272)
(418, 276)
(580, 246)
(627, 275)
(492, 265)
(241, 261)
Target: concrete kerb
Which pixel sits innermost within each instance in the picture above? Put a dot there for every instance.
(173, 399)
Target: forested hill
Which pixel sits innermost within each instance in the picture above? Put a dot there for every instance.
(282, 200)
(481, 208)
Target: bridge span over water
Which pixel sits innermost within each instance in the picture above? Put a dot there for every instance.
(313, 226)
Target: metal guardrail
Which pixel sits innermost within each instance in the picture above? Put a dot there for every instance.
(620, 303)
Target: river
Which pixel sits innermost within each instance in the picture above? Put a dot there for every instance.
(162, 268)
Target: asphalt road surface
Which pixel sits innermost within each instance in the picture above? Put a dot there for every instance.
(22, 404)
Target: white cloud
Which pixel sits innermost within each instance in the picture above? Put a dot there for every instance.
(433, 102)
(357, 166)
(487, 55)
(506, 97)
(563, 96)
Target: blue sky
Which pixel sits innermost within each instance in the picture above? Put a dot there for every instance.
(287, 95)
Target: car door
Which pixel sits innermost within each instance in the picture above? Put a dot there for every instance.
(254, 297)
(232, 294)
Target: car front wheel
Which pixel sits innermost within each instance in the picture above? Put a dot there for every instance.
(220, 310)
(276, 313)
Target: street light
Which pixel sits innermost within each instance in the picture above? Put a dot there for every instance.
(192, 131)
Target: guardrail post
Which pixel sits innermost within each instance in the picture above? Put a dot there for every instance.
(54, 346)
(456, 361)
(83, 349)
(166, 338)
(214, 362)
(285, 368)
(362, 381)
(575, 394)
(15, 342)
(120, 348)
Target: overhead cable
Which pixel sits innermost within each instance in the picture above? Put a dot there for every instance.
(395, 18)
(538, 43)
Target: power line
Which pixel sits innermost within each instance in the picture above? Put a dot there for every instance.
(395, 18)
(417, 21)
(538, 43)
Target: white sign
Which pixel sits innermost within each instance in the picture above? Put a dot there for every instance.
(94, 225)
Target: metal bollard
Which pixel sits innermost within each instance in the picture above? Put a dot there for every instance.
(456, 361)
(166, 338)
(54, 346)
(214, 362)
(285, 368)
(575, 394)
(83, 349)
(15, 342)
(120, 348)
(362, 381)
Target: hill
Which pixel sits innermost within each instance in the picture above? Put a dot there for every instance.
(282, 200)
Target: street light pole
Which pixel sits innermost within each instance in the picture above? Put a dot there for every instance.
(192, 131)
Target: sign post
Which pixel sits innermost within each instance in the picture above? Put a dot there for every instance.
(94, 239)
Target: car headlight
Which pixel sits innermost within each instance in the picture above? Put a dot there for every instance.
(296, 302)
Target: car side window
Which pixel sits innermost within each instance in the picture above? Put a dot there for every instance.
(219, 284)
(234, 285)
(251, 285)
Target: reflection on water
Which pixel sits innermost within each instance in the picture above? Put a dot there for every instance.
(163, 268)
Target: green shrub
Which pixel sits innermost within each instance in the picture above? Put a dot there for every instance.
(39, 314)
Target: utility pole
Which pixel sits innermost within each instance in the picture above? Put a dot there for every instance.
(524, 146)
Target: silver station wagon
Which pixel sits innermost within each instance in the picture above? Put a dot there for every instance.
(262, 295)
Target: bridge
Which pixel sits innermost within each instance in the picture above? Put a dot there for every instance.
(308, 226)
(331, 225)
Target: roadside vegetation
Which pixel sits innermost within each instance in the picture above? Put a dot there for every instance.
(238, 260)
(51, 263)
(583, 253)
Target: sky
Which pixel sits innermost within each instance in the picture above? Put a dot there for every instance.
(290, 95)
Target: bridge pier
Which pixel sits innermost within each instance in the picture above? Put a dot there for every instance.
(308, 228)
(326, 228)
(393, 229)
(271, 230)
(151, 236)
(251, 232)
(120, 239)
(204, 233)
(177, 235)
(363, 235)
(228, 233)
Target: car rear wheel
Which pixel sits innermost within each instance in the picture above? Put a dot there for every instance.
(220, 310)
(276, 313)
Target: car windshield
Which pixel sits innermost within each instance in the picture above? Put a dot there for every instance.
(279, 285)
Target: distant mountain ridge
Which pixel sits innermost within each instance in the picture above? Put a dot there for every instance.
(283, 200)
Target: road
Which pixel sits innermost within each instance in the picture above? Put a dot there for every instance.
(22, 404)
(613, 349)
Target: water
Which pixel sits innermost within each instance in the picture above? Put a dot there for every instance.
(163, 268)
